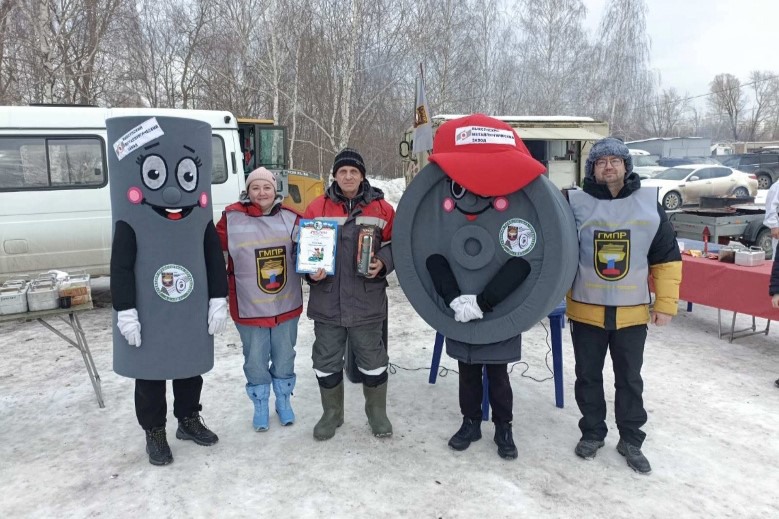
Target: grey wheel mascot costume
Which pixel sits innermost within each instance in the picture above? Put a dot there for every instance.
(485, 247)
(168, 281)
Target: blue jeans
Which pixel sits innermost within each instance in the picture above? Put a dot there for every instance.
(274, 347)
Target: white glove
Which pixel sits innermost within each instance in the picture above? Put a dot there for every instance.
(465, 309)
(129, 326)
(217, 315)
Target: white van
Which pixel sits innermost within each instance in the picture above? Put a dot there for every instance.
(55, 208)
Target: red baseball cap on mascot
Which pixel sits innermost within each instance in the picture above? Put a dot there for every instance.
(484, 155)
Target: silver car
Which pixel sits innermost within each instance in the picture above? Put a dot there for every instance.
(686, 184)
(646, 166)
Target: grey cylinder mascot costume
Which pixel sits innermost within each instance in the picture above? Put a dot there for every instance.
(168, 279)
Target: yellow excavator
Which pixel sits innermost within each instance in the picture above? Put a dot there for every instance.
(264, 143)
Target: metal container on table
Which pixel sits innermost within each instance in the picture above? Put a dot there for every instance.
(752, 257)
(13, 297)
(727, 254)
(76, 286)
(43, 294)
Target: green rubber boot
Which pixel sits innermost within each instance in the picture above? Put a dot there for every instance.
(333, 415)
(376, 409)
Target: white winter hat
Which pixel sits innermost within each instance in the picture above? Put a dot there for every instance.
(261, 174)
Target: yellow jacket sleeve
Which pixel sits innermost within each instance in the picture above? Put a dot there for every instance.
(666, 277)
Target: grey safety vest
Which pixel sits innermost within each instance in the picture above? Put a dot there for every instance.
(266, 284)
(614, 240)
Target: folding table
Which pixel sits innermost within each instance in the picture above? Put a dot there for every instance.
(70, 317)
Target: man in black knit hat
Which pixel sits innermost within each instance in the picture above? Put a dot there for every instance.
(349, 305)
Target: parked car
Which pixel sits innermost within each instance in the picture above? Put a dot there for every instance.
(687, 184)
(766, 149)
(646, 165)
(671, 162)
(765, 166)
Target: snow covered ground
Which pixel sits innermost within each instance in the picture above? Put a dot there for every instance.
(713, 435)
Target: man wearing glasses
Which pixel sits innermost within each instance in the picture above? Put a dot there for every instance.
(624, 237)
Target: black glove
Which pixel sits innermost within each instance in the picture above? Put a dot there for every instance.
(503, 283)
(443, 278)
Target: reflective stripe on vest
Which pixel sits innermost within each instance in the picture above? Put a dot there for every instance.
(614, 240)
(266, 284)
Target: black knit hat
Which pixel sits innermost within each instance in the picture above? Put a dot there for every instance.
(349, 157)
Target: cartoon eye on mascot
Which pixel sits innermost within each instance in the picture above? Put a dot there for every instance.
(168, 280)
(485, 247)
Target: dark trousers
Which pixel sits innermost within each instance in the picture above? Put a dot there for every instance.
(151, 408)
(627, 355)
(471, 391)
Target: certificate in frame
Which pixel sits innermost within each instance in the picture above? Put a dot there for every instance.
(317, 246)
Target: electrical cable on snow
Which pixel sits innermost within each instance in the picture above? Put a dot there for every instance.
(444, 371)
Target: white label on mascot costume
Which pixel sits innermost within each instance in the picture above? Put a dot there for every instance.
(517, 237)
(173, 283)
(483, 135)
(145, 132)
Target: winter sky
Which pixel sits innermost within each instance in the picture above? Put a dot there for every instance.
(694, 40)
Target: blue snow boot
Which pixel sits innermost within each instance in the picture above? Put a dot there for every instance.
(259, 393)
(282, 388)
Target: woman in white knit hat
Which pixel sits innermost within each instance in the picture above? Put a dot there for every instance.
(266, 298)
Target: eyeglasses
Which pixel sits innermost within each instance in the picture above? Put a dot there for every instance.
(615, 162)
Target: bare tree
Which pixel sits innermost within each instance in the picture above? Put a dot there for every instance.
(232, 77)
(339, 93)
(620, 71)
(6, 48)
(727, 100)
(151, 46)
(85, 50)
(695, 120)
(552, 46)
(61, 53)
(192, 21)
(341, 72)
(764, 91)
(665, 113)
(772, 109)
(438, 31)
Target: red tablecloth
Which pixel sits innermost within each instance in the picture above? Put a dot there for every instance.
(728, 286)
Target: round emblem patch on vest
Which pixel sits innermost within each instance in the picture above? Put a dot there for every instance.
(517, 237)
(173, 283)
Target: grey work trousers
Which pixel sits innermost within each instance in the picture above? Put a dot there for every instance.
(365, 341)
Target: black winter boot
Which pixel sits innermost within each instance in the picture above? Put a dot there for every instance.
(157, 446)
(505, 441)
(636, 460)
(587, 449)
(470, 431)
(194, 428)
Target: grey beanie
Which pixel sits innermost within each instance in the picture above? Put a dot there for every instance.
(610, 146)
